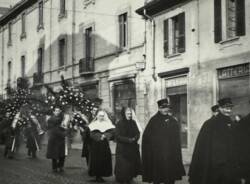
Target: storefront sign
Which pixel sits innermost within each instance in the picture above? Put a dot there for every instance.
(178, 81)
(234, 71)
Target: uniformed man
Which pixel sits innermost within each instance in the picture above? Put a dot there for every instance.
(161, 148)
(216, 154)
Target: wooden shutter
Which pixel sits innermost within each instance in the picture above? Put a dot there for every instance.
(121, 33)
(165, 38)
(41, 13)
(23, 23)
(217, 21)
(240, 16)
(40, 61)
(181, 40)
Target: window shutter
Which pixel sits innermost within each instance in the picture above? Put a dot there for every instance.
(217, 21)
(121, 33)
(181, 41)
(240, 16)
(165, 37)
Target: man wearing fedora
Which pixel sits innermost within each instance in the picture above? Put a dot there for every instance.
(161, 148)
(216, 155)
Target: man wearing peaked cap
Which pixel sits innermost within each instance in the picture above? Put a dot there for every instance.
(161, 148)
(216, 154)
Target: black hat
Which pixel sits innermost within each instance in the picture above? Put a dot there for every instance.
(225, 102)
(97, 101)
(215, 108)
(163, 103)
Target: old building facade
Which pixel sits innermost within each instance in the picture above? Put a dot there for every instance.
(134, 53)
(197, 53)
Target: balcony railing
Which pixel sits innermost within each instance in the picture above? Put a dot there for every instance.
(86, 66)
(37, 78)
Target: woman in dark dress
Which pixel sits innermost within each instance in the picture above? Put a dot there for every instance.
(128, 162)
(100, 161)
(56, 142)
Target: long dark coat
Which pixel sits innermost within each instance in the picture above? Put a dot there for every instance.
(128, 162)
(100, 160)
(243, 138)
(85, 146)
(161, 150)
(56, 142)
(7, 132)
(32, 137)
(215, 157)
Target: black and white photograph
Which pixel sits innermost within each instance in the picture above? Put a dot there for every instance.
(125, 91)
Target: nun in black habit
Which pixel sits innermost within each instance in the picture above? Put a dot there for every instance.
(128, 162)
(161, 148)
(100, 160)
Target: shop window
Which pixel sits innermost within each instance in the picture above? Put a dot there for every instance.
(124, 95)
(178, 99)
(234, 83)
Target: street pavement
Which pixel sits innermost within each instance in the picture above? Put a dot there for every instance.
(24, 170)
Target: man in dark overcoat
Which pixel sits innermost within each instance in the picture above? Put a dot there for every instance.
(244, 147)
(161, 148)
(216, 155)
(56, 141)
(8, 134)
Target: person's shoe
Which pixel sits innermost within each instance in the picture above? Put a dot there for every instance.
(54, 170)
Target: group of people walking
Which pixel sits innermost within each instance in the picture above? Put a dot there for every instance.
(221, 153)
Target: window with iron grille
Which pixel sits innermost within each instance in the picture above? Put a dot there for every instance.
(23, 66)
(230, 13)
(123, 30)
(62, 52)
(40, 14)
(174, 35)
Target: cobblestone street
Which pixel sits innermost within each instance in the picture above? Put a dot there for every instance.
(24, 170)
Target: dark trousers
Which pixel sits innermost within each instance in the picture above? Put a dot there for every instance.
(58, 163)
(32, 152)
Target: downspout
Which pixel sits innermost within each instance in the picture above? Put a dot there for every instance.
(198, 34)
(73, 39)
(2, 72)
(50, 45)
(153, 41)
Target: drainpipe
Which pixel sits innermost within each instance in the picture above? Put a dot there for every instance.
(198, 34)
(2, 72)
(73, 39)
(50, 45)
(153, 41)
